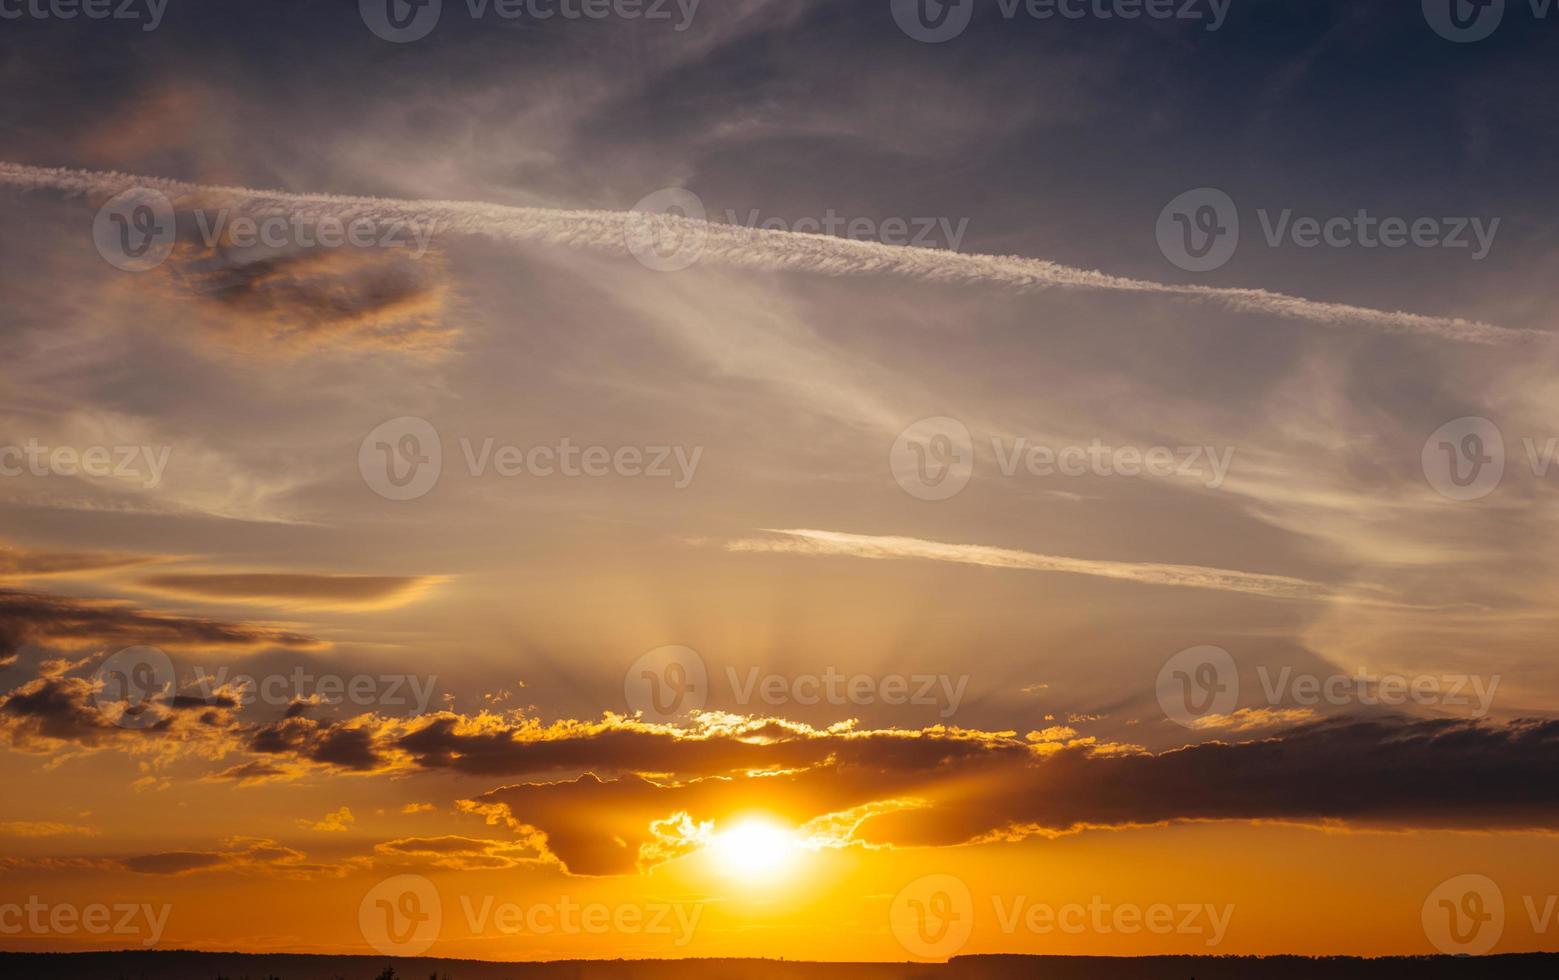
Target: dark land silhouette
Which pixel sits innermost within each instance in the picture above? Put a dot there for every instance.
(179, 965)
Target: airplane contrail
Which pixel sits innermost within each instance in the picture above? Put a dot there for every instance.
(746, 248)
(886, 548)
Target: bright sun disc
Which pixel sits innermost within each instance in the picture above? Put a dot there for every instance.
(754, 849)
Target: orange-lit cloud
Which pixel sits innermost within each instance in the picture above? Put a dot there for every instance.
(19, 563)
(361, 592)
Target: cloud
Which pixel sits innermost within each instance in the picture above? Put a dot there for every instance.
(455, 853)
(606, 231)
(44, 828)
(1385, 774)
(595, 790)
(59, 621)
(257, 773)
(234, 855)
(488, 745)
(1253, 719)
(333, 823)
(357, 592)
(18, 563)
(838, 543)
(305, 298)
(242, 855)
(56, 711)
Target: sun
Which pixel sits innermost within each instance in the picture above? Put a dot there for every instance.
(755, 849)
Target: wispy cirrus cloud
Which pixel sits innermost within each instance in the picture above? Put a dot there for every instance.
(762, 249)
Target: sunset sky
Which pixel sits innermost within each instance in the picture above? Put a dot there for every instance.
(930, 540)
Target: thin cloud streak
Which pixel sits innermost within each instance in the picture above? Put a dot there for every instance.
(839, 543)
(607, 231)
